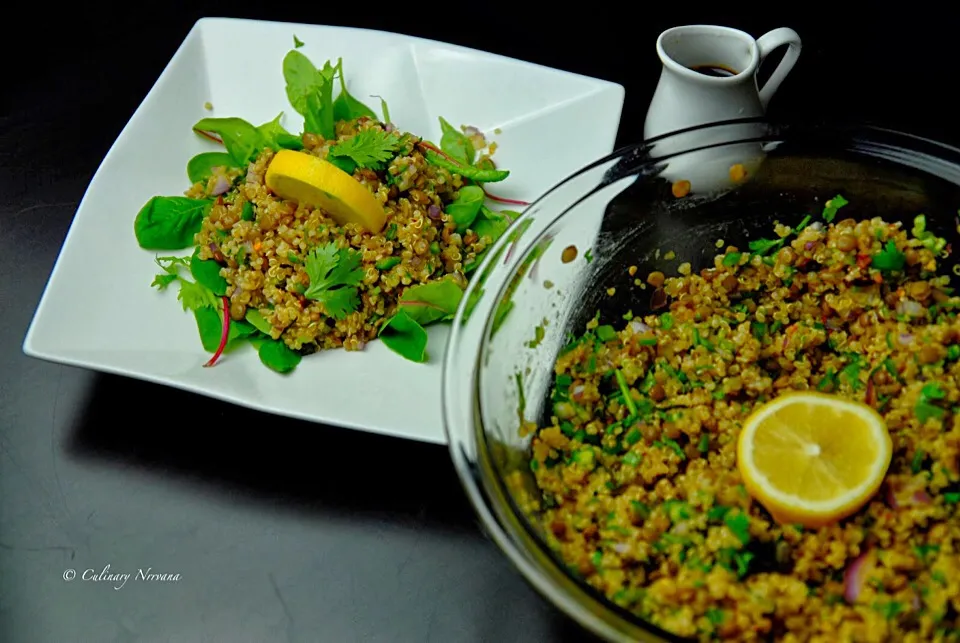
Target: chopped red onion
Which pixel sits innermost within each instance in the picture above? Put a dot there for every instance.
(388, 127)
(808, 245)
(577, 392)
(221, 186)
(638, 326)
(471, 131)
(855, 575)
(621, 548)
(434, 212)
(905, 338)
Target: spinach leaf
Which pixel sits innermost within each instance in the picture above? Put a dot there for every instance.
(207, 273)
(201, 166)
(430, 302)
(455, 143)
(277, 356)
(346, 107)
(256, 319)
(242, 140)
(210, 327)
(310, 92)
(404, 336)
(487, 224)
(169, 222)
(465, 208)
(275, 136)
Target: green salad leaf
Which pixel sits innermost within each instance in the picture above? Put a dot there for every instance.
(404, 336)
(431, 302)
(242, 140)
(470, 172)
(170, 222)
(310, 92)
(346, 107)
(275, 136)
(890, 259)
(455, 143)
(207, 272)
(202, 166)
(465, 208)
(277, 356)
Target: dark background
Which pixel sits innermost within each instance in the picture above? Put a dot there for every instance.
(368, 538)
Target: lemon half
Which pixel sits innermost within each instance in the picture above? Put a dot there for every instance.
(812, 458)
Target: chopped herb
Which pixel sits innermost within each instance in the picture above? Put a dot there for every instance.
(739, 526)
(761, 247)
(677, 510)
(925, 407)
(717, 513)
(387, 263)
(953, 352)
(633, 436)
(716, 616)
(829, 379)
(732, 259)
(888, 610)
(632, 458)
(929, 240)
(951, 497)
(704, 445)
(923, 551)
(916, 464)
(605, 333)
(851, 372)
(667, 443)
(640, 509)
(666, 321)
(758, 329)
(297, 43)
(625, 390)
(889, 259)
(830, 207)
(647, 341)
(588, 255)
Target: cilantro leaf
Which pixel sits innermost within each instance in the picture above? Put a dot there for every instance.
(763, 246)
(889, 259)
(455, 143)
(297, 43)
(192, 295)
(830, 207)
(370, 148)
(334, 274)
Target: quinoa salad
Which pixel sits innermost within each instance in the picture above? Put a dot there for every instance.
(291, 277)
(639, 492)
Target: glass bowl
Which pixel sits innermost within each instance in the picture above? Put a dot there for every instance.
(568, 256)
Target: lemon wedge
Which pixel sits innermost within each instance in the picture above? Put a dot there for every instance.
(305, 178)
(812, 458)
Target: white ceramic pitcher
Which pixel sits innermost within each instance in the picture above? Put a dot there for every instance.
(710, 74)
(686, 97)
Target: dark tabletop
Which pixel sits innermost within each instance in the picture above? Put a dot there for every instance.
(367, 538)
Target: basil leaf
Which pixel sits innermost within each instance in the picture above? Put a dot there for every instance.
(242, 140)
(404, 336)
(169, 222)
(201, 166)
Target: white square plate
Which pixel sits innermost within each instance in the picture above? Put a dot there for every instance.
(98, 310)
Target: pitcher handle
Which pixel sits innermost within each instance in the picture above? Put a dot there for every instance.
(766, 44)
